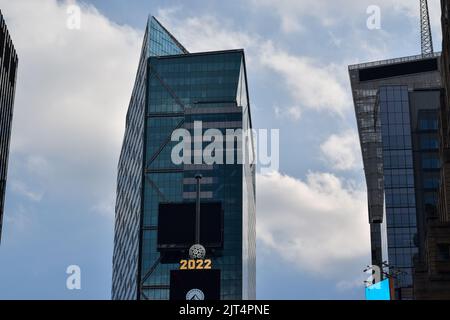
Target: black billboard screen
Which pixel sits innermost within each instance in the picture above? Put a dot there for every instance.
(176, 225)
(399, 69)
(211, 224)
(195, 284)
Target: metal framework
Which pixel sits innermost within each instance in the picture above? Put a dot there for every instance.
(425, 29)
(142, 285)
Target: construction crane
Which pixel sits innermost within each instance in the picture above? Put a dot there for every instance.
(425, 29)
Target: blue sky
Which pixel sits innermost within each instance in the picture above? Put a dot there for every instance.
(72, 94)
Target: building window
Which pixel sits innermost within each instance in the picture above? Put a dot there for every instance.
(431, 183)
(430, 162)
(443, 252)
(427, 143)
(428, 124)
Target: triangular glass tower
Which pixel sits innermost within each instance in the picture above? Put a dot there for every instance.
(174, 89)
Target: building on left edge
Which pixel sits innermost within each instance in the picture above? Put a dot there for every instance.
(8, 73)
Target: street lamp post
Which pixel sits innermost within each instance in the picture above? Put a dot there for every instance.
(198, 177)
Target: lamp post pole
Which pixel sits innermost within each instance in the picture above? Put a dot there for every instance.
(198, 177)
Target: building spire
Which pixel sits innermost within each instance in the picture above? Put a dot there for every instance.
(425, 29)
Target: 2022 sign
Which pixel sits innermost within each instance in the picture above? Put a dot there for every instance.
(198, 264)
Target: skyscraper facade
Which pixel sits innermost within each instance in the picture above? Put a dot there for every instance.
(157, 41)
(432, 276)
(178, 90)
(397, 104)
(8, 72)
(444, 196)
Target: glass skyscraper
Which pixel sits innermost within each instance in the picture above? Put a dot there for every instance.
(396, 104)
(432, 276)
(8, 71)
(175, 89)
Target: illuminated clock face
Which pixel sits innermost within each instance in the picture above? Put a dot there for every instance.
(195, 294)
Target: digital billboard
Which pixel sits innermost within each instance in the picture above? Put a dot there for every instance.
(379, 291)
(176, 225)
(195, 284)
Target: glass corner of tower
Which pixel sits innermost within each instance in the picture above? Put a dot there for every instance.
(150, 19)
(161, 42)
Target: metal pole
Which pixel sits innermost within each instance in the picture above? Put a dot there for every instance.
(197, 210)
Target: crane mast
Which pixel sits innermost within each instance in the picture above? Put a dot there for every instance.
(425, 29)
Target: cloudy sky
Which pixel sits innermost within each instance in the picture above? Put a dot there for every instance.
(72, 95)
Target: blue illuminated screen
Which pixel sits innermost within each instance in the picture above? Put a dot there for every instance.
(379, 291)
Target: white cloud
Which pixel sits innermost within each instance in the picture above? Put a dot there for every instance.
(292, 113)
(412, 9)
(206, 32)
(19, 187)
(312, 85)
(37, 166)
(72, 94)
(292, 13)
(346, 285)
(105, 207)
(318, 224)
(21, 219)
(342, 151)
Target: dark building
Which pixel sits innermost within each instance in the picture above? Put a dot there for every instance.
(156, 197)
(8, 71)
(397, 104)
(444, 194)
(432, 278)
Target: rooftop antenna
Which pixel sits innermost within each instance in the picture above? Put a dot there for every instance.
(425, 29)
